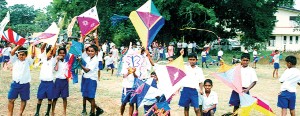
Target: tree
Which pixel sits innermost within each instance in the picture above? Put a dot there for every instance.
(22, 14)
(3, 8)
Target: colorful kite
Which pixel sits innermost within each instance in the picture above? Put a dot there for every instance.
(70, 27)
(50, 35)
(232, 78)
(4, 23)
(88, 21)
(12, 37)
(170, 76)
(147, 21)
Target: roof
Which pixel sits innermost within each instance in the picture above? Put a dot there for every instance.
(289, 9)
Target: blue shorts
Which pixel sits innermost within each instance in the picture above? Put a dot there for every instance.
(22, 89)
(89, 88)
(100, 65)
(82, 83)
(189, 96)
(5, 58)
(219, 58)
(61, 88)
(111, 66)
(161, 55)
(276, 66)
(235, 98)
(126, 96)
(1, 59)
(255, 59)
(203, 59)
(46, 90)
(287, 100)
(208, 113)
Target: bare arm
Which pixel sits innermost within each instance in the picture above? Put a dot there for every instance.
(96, 38)
(86, 70)
(13, 51)
(43, 47)
(201, 88)
(250, 87)
(149, 57)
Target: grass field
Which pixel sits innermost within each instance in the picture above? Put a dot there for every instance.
(109, 93)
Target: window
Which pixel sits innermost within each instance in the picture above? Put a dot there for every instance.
(284, 39)
(293, 18)
(291, 39)
(296, 41)
(272, 41)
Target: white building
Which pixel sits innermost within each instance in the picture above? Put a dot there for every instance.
(286, 34)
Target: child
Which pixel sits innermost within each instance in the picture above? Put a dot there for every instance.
(109, 61)
(220, 54)
(5, 54)
(276, 63)
(89, 86)
(194, 78)
(21, 78)
(249, 79)
(100, 59)
(255, 58)
(61, 88)
(210, 99)
(46, 87)
(289, 79)
(150, 102)
(203, 54)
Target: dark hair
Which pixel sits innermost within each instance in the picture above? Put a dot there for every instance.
(62, 48)
(173, 57)
(245, 55)
(94, 47)
(48, 49)
(292, 59)
(153, 73)
(22, 49)
(192, 55)
(208, 81)
(276, 50)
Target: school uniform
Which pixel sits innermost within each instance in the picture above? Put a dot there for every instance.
(255, 58)
(189, 94)
(248, 76)
(21, 78)
(46, 87)
(61, 83)
(276, 61)
(127, 85)
(203, 54)
(209, 101)
(220, 54)
(6, 54)
(109, 61)
(89, 86)
(150, 100)
(289, 79)
(100, 59)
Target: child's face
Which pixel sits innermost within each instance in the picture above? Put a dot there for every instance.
(170, 60)
(289, 65)
(110, 55)
(91, 52)
(22, 56)
(154, 77)
(245, 62)
(192, 61)
(62, 53)
(207, 87)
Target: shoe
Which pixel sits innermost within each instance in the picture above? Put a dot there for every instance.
(46, 114)
(99, 111)
(36, 114)
(83, 113)
(92, 114)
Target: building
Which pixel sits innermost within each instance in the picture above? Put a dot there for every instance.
(286, 33)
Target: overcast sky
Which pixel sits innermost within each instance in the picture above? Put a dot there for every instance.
(43, 3)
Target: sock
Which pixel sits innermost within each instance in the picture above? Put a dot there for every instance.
(84, 108)
(38, 107)
(48, 108)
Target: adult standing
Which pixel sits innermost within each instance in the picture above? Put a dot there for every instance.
(170, 50)
(190, 48)
(184, 46)
(179, 47)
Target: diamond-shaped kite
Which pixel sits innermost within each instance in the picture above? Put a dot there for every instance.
(147, 21)
(88, 21)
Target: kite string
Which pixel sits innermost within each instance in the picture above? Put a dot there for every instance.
(96, 3)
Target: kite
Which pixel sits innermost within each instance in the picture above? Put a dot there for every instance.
(50, 35)
(76, 48)
(170, 76)
(117, 18)
(12, 37)
(70, 27)
(88, 21)
(4, 23)
(232, 78)
(147, 21)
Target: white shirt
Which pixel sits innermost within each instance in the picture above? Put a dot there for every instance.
(100, 55)
(246, 51)
(210, 100)
(184, 45)
(254, 53)
(220, 53)
(290, 78)
(104, 46)
(190, 45)
(21, 69)
(194, 76)
(91, 64)
(6, 51)
(108, 60)
(47, 68)
(115, 53)
(179, 45)
(129, 80)
(276, 58)
(62, 70)
(248, 76)
(203, 54)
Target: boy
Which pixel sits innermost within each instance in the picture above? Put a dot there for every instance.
(46, 87)
(109, 61)
(220, 54)
(203, 54)
(255, 57)
(100, 59)
(194, 79)
(276, 63)
(210, 99)
(249, 79)
(289, 79)
(21, 78)
(5, 54)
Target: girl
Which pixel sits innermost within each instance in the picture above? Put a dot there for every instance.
(210, 99)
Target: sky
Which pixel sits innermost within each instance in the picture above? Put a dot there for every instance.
(43, 3)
